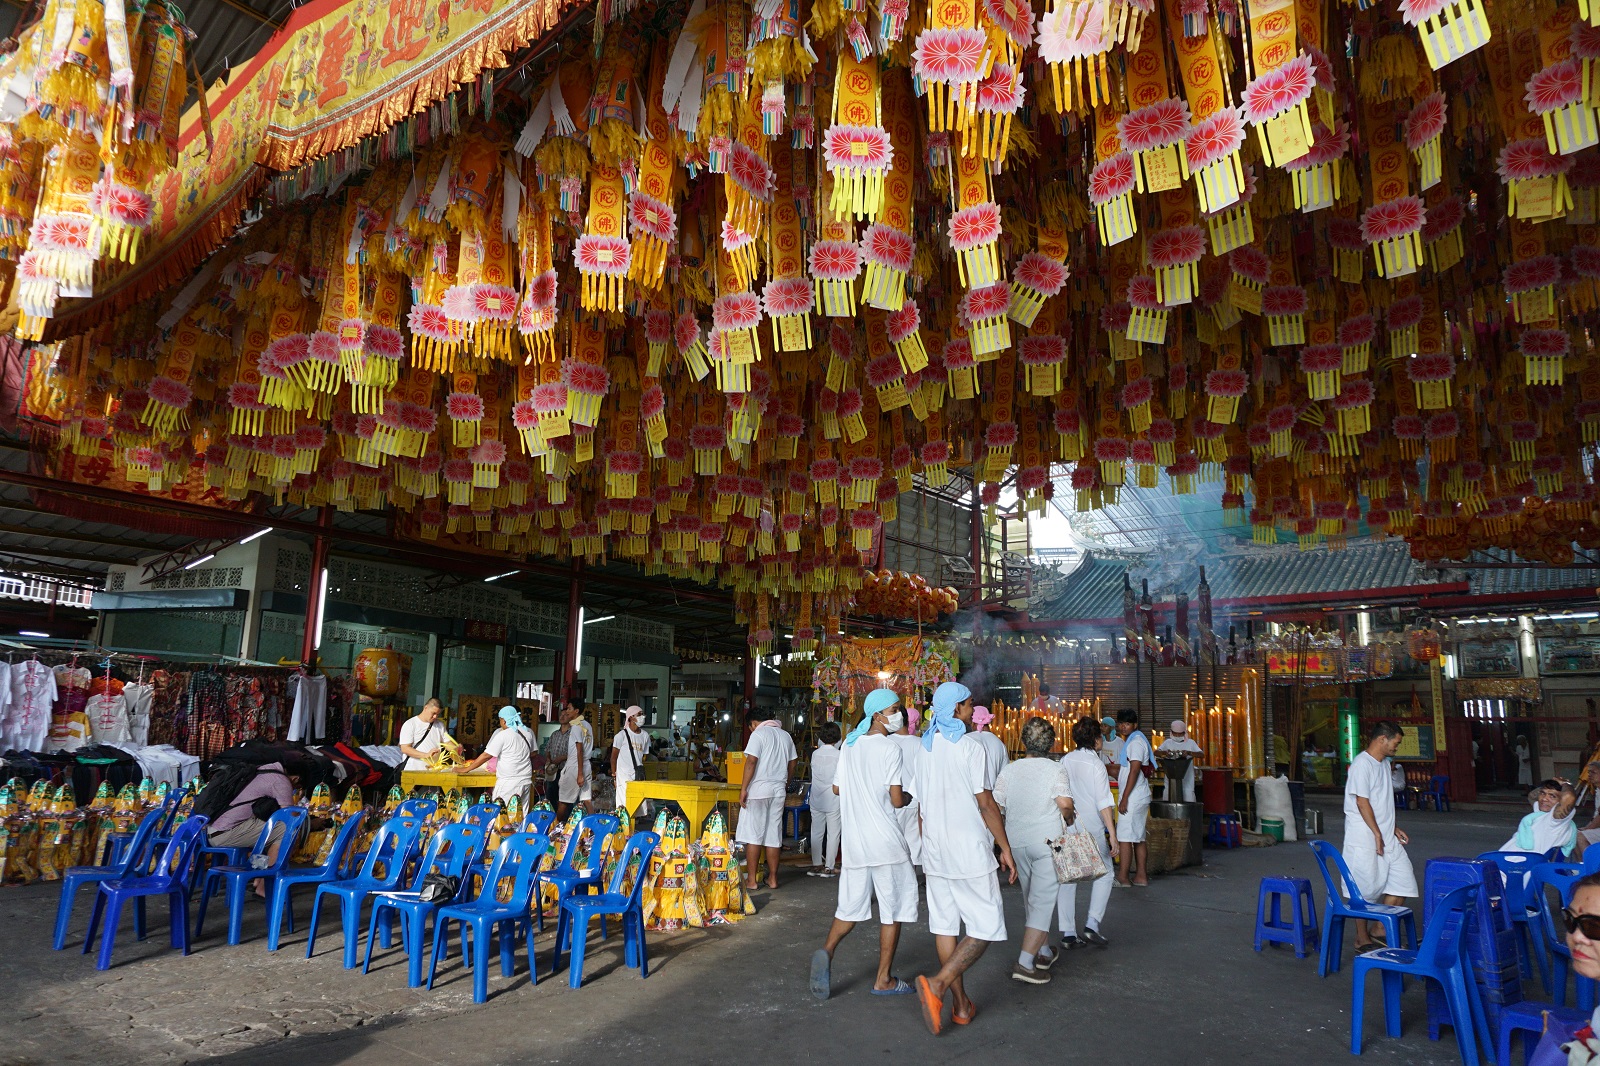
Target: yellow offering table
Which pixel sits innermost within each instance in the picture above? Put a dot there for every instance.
(697, 798)
(445, 780)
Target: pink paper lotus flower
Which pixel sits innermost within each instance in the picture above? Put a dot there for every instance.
(464, 407)
(950, 57)
(1354, 394)
(1282, 301)
(1530, 158)
(1000, 435)
(857, 148)
(835, 260)
(1177, 246)
(1067, 420)
(1156, 126)
(986, 301)
(1436, 366)
(323, 346)
(458, 471)
(734, 238)
(1443, 217)
(586, 379)
(1213, 286)
(1425, 121)
(1415, 12)
(1545, 343)
(1040, 273)
(1043, 350)
(1404, 313)
(887, 247)
(823, 470)
(788, 296)
(542, 290)
(791, 425)
(523, 414)
(1061, 40)
(1084, 477)
(1586, 261)
(704, 438)
(1276, 91)
(457, 304)
(1015, 17)
(242, 394)
(1111, 450)
(850, 403)
(658, 327)
(972, 227)
(652, 217)
(1188, 465)
(488, 453)
(935, 451)
(958, 354)
(1345, 233)
(750, 172)
(1399, 217)
(1528, 274)
(904, 322)
(1251, 263)
(1111, 179)
(1326, 146)
(685, 332)
(1554, 87)
(1137, 392)
(494, 303)
(384, 342)
(1114, 317)
(1281, 418)
(1356, 331)
(841, 339)
(164, 390)
(884, 371)
(1320, 358)
(1142, 293)
(652, 402)
(419, 419)
(602, 255)
(1002, 92)
(1214, 138)
(736, 310)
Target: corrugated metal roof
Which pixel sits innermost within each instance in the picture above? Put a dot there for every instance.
(1514, 580)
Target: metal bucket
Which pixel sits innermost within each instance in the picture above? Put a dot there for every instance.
(1311, 824)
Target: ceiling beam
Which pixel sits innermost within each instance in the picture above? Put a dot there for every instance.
(85, 538)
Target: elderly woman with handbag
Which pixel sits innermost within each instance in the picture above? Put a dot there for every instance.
(1091, 793)
(1037, 799)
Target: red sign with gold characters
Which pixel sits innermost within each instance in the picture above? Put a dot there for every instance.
(1295, 662)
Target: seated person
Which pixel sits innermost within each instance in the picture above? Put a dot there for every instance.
(1550, 824)
(1397, 777)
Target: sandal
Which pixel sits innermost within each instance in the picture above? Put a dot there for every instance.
(959, 1020)
(932, 1006)
(900, 989)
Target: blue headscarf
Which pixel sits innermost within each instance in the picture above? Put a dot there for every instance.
(943, 715)
(879, 699)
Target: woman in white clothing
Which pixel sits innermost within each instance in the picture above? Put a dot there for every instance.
(824, 803)
(1091, 796)
(1034, 794)
(511, 748)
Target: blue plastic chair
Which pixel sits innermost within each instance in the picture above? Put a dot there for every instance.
(1299, 928)
(572, 929)
(340, 865)
(1442, 959)
(568, 878)
(1437, 792)
(541, 821)
(1516, 869)
(451, 853)
(170, 877)
(794, 813)
(76, 877)
(117, 843)
(1394, 919)
(178, 806)
(517, 862)
(418, 807)
(482, 815)
(237, 879)
(1529, 1018)
(385, 865)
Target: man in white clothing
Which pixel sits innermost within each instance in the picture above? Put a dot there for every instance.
(512, 749)
(1180, 745)
(769, 757)
(1374, 849)
(422, 735)
(576, 787)
(870, 783)
(960, 827)
(1133, 802)
(628, 749)
(910, 816)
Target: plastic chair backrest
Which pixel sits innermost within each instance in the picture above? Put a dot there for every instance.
(137, 856)
(1561, 876)
(482, 815)
(451, 852)
(1329, 860)
(1440, 783)
(169, 809)
(292, 819)
(1591, 861)
(541, 821)
(805, 796)
(1515, 863)
(396, 840)
(641, 846)
(177, 860)
(1441, 940)
(420, 807)
(343, 842)
(517, 858)
(599, 827)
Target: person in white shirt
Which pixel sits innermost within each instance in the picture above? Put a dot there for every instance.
(576, 786)
(910, 816)
(1374, 848)
(1181, 745)
(512, 749)
(1111, 749)
(1037, 799)
(1550, 825)
(1133, 802)
(1091, 798)
(769, 757)
(1524, 763)
(961, 825)
(422, 735)
(871, 784)
(995, 755)
(824, 802)
(628, 749)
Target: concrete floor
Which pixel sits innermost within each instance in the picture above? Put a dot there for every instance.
(1180, 983)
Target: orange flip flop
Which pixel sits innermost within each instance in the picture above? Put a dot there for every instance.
(932, 1006)
(959, 1020)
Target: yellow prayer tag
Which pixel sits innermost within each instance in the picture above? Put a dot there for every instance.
(1535, 197)
(793, 331)
(1161, 169)
(1245, 297)
(1286, 135)
(738, 346)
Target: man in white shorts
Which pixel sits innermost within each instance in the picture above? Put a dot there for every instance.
(1133, 802)
(960, 827)
(875, 862)
(769, 757)
(577, 786)
(1374, 850)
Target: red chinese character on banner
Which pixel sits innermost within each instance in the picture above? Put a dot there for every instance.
(404, 36)
(330, 67)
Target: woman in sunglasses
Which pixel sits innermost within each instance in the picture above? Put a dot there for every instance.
(1563, 1046)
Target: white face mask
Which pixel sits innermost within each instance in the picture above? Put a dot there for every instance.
(893, 722)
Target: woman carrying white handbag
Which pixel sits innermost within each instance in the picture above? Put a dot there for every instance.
(1091, 792)
(1035, 795)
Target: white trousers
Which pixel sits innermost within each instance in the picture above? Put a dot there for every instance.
(1099, 893)
(825, 838)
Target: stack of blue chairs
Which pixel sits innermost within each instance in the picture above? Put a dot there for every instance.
(1491, 939)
